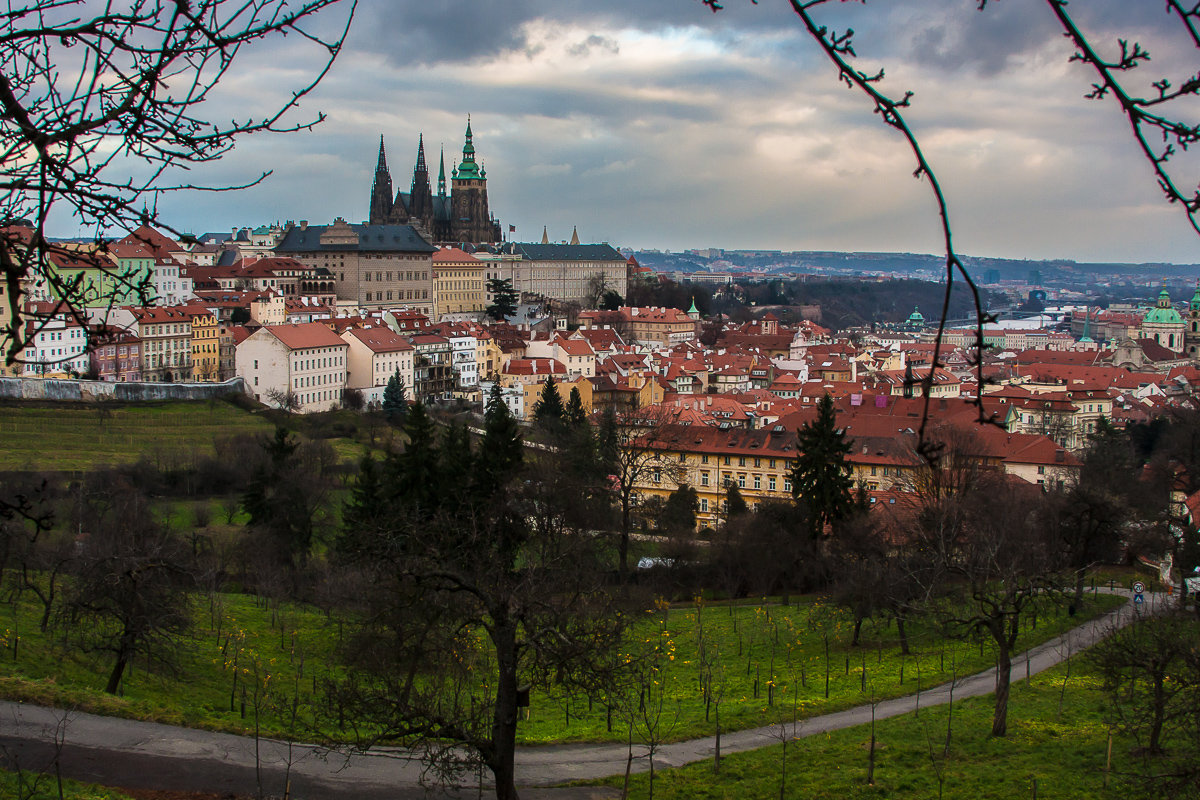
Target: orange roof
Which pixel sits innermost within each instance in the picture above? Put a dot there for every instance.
(453, 255)
(380, 340)
(303, 335)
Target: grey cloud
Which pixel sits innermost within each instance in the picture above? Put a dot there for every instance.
(419, 32)
(594, 42)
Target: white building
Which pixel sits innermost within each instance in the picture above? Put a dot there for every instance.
(307, 362)
(374, 356)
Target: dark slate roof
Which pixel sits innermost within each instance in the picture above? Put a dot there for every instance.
(228, 258)
(397, 238)
(568, 252)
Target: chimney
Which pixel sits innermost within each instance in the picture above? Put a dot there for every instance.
(303, 224)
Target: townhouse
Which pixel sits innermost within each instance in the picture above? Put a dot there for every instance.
(303, 366)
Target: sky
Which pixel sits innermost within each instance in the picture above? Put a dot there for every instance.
(657, 124)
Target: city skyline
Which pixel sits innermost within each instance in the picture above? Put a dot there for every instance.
(674, 128)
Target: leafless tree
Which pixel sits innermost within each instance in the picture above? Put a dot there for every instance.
(471, 608)
(636, 446)
(996, 559)
(104, 107)
(129, 595)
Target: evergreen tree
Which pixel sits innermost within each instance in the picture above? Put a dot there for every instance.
(415, 470)
(549, 412)
(500, 450)
(362, 513)
(820, 475)
(735, 504)
(504, 298)
(576, 414)
(395, 399)
(679, 512)
(455, 460)
(608, 441)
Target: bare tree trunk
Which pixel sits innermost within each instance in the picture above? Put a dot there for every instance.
(114, 677)
(504, 719)
(1003, 679)
(903, 633)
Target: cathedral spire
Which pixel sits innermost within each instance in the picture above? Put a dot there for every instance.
(574, 234)
(381, 165)
(421, 153)
(421, 198)
(545, 236)
(381, 190)
(442, 173)
(467, 168)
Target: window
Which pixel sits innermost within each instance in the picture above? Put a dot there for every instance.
(741, 480)
(704, 479)
(1041, 471)
(727, 461)
(704, 459)
(787, 484)
(771, 483)
(741, 461)
(758, 481)
(704, 504)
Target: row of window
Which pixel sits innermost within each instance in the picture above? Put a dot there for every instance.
(400, 276)
(412, 294)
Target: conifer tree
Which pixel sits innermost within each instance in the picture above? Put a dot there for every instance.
(500, 450)
(415, 469)
(735, 504)
(361, 514)
(820, 475)
(504, 298)
(549, 412)
(395, 399)
(576, 414)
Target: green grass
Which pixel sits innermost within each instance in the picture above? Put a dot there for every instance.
(768, 663)
(72, 437)
(34, 786)
(238, 647)
(1062, 749)
(76, 437)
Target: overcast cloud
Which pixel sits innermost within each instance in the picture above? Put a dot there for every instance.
(663, 125)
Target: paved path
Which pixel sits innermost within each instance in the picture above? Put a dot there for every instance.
(151, 755)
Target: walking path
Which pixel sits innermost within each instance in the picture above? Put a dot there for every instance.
(137, 754)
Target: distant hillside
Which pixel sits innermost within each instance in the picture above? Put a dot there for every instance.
(806, 260)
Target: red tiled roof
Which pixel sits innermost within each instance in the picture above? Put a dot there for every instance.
(304, 335)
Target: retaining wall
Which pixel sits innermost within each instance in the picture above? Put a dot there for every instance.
(75, 391)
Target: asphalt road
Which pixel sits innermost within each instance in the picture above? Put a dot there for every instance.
(147, 755)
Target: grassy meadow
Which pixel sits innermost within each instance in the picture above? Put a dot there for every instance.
(1057, 747)
(73, 437)
(762, 662)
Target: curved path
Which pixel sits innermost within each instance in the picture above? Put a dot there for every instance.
(135, 754)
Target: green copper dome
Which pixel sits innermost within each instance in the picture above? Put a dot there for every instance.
(1163, 313)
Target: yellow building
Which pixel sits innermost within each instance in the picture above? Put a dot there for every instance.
(459, 287)
(709, 459)
(206, 346)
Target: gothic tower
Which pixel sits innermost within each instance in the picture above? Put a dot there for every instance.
(420, 202)
(381, 190)
(470, 220)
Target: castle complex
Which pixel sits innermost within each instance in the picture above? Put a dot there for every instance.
(462, 217)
